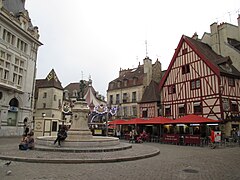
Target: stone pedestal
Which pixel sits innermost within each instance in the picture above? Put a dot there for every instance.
(79, 129)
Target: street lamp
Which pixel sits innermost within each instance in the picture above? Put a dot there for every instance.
(43, 116)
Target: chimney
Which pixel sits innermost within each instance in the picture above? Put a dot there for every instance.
(195, 36)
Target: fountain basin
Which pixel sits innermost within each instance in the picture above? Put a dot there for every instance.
(94, 142)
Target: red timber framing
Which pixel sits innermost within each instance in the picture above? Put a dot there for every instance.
(198, 84)
(148, 110)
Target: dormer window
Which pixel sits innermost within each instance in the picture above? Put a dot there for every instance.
(111, 85)
(125, 82)
(134, 81)
(119, 84)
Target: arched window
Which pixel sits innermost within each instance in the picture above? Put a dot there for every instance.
(13, 102)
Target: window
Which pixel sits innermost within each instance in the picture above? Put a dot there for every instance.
(54, 126)
(171, 89)
(184, 51)
(145, 113)
(44, 105)
(19, 80)
(117, 99)
(8, 37)
(111, 99)
(234, 106)
(167, 111)
(11, 121)
(55, 97)
(125, 97)
(21, 45)
(125, 82)
(195, 84)
(185, 69)
(9, 57)
(44, 95)
(231, 82)
(3, 54)
(134, 81)
(197, 107)
(119, 84)
(181, 109)
(134, 111)
(14, 78)
(125, 111)
(6, 74)
(134, 95)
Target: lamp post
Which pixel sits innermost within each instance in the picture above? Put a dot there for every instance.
(107, 121)
(43, 116)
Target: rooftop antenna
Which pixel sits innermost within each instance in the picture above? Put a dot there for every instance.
(229, 13)
(146, 48)
(82, 74)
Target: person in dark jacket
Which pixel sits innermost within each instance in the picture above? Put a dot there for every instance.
(61, 136)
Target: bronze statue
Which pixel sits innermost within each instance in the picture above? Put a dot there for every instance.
(82, 87)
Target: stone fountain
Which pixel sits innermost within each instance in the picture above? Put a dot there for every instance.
(79, 134)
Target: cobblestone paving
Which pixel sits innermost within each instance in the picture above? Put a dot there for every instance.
(174, 162)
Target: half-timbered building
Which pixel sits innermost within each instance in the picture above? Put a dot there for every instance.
(199, 81)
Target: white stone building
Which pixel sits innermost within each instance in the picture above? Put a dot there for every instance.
(224, 39)
(18, 55)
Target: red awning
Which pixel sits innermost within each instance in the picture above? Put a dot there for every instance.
(135, 121)
(117, 122)
(157, 120)
(193, 119)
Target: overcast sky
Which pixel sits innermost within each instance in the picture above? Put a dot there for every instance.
(98, 37)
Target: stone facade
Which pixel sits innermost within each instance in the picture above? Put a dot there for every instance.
(126, 91)
(18, 55)
(224, 39)
(48, 105)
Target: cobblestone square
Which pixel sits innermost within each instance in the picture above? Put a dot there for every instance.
(173, 162)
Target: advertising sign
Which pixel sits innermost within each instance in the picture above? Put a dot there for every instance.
(217, 136)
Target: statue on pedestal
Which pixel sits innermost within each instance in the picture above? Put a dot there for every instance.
(82, 87)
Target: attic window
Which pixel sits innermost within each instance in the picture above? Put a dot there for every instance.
(185, 69)
(171, 89)
(118, 84)
(134, 81)
(184, 51)
(125, 82)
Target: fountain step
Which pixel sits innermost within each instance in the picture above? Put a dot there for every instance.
(119, 147)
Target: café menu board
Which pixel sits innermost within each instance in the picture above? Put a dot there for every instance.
(171, 138)
(192, 139)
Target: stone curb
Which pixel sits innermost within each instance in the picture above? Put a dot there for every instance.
(79, 161)
(123, 146)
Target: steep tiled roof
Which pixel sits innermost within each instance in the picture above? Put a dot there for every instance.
(218, 63)
(14, 6)
(151, 93)
(51, 81)
(75, 86)
(218, 60)
(129, 75)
